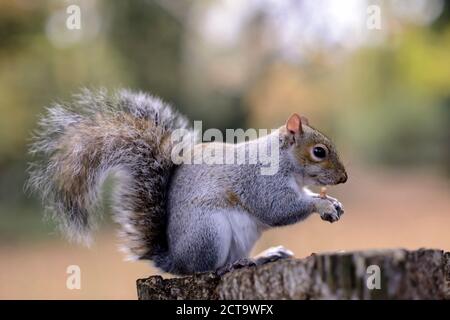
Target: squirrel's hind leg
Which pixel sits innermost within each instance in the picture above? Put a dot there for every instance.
(270, 255)
(198, 243)
(238, 264)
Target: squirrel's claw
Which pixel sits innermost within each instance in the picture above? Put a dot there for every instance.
(238, 264)
(269, 255)
(330, 217)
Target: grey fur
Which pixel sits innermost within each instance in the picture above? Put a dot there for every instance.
(186, 218)
(201, 234)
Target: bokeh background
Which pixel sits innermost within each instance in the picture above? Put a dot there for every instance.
(382, 94)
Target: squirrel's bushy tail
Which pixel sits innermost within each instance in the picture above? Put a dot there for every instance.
(80, 144)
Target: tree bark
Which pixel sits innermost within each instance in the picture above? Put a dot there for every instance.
(402, 274)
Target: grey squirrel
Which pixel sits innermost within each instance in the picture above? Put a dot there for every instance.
(186, 218)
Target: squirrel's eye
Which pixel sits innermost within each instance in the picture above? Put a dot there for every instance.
(319, 152)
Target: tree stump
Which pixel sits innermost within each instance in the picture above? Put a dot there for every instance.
(375, 274)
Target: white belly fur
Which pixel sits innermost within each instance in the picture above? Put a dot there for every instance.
(245, 230)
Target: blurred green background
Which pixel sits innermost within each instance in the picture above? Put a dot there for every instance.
(382, 94)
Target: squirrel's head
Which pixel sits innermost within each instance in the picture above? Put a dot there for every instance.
(313, 152)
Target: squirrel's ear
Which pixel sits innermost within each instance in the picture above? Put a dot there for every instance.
(294, 124)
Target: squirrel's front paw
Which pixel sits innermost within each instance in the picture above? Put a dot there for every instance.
(330, 209)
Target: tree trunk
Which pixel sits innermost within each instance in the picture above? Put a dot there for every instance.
(387, 274)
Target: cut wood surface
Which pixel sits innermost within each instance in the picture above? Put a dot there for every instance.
(374, 274)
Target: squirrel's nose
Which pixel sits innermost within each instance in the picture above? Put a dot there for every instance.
(343, 178)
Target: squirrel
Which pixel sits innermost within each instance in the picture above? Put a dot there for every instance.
(186, 218)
